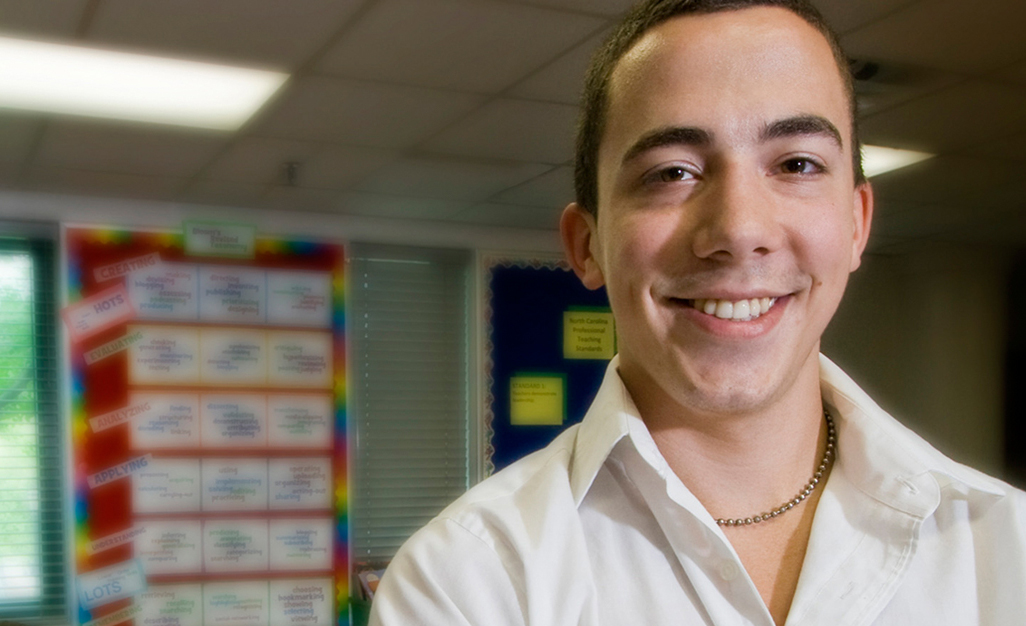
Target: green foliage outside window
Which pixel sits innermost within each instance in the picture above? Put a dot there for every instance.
(31, 522)
(20, 549)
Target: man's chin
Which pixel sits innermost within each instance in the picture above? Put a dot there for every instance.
(734, 391)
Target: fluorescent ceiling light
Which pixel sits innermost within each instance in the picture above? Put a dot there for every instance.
(74, 80)
(877, 159)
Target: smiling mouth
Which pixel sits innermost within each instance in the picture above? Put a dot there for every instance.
(733, 310)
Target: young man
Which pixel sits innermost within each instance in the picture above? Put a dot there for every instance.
(726, 472)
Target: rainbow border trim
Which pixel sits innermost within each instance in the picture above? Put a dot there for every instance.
(79, 420)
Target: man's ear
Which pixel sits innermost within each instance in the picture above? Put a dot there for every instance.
(862, 214)
(580, 238)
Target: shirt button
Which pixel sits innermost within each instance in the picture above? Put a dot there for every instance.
(729, 570)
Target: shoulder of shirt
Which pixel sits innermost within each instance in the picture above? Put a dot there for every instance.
(545, 470)
(544, 486)
(916, 454)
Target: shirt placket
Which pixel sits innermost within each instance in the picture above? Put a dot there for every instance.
(708, 560)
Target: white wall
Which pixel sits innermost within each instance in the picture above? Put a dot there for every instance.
(321, 226)
(924, 333)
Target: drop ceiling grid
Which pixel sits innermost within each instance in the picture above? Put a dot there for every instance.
(17, 136)
(506, 128)
(58, 19)
(319, 103)
(272, 33)
(553, 189)
(952, 119)
(126, 149)
(562, 79)
(847, 15)
(449, 179)
(969, 38)
(465, 45)
(94, 182)
(502, 139)
(604, 8)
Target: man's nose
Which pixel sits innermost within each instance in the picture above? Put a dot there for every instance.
(736, 218)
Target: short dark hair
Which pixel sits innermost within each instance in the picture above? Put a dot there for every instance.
(637, 22)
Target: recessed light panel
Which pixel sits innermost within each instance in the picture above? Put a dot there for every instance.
(75, 80)
(876, 159)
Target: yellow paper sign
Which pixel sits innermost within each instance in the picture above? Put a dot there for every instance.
(536, 400)
(588, 335)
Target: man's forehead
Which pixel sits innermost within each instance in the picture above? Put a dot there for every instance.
(703, 33)
(761, 56)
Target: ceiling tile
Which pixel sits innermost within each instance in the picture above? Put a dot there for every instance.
(1002, 228)
(846, 15)
(52, 19)
(223, 193)
(453, 44)
(607, 8)
(449, 178)
(884, 245)
(279, 35)
(925, 221)
(512, 129)
(893, 84)
(10, 175)
(130, 149)
(300, 199)
(341, 167)
(951, 35)
(361, 113)
(382, 205)
(511, 215)
(956, 181)
(554, 189)
(1015, 73)
(959, 116)
(17, 136)
(93, 183)
(1011, 147)
(258, 160)
(562, 80)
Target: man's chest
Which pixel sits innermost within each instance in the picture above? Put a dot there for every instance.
(653, 562)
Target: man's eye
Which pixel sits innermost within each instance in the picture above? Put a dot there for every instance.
(800, 166)
(672, 174)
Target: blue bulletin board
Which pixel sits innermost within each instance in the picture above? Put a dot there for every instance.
(528, 304)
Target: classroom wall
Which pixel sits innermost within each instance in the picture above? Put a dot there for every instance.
(924, 332)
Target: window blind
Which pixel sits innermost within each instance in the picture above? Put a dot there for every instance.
(408, 360)
(32, 563)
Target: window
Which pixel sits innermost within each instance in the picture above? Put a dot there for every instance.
(409, 400)
(32, 564)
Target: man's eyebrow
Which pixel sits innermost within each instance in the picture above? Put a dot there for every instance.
(669, 136)
(801, 125)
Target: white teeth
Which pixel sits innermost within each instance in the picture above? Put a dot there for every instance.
(741, 310)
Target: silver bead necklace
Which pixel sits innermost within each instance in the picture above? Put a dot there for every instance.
(828, 456)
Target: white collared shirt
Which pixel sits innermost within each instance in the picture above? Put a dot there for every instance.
(597, 530)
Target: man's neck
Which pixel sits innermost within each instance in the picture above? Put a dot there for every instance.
(742, 465)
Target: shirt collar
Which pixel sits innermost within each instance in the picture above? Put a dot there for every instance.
(883, 458)
(603, 426)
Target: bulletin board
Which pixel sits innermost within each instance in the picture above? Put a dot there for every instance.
(547, 341)
(208, 427)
